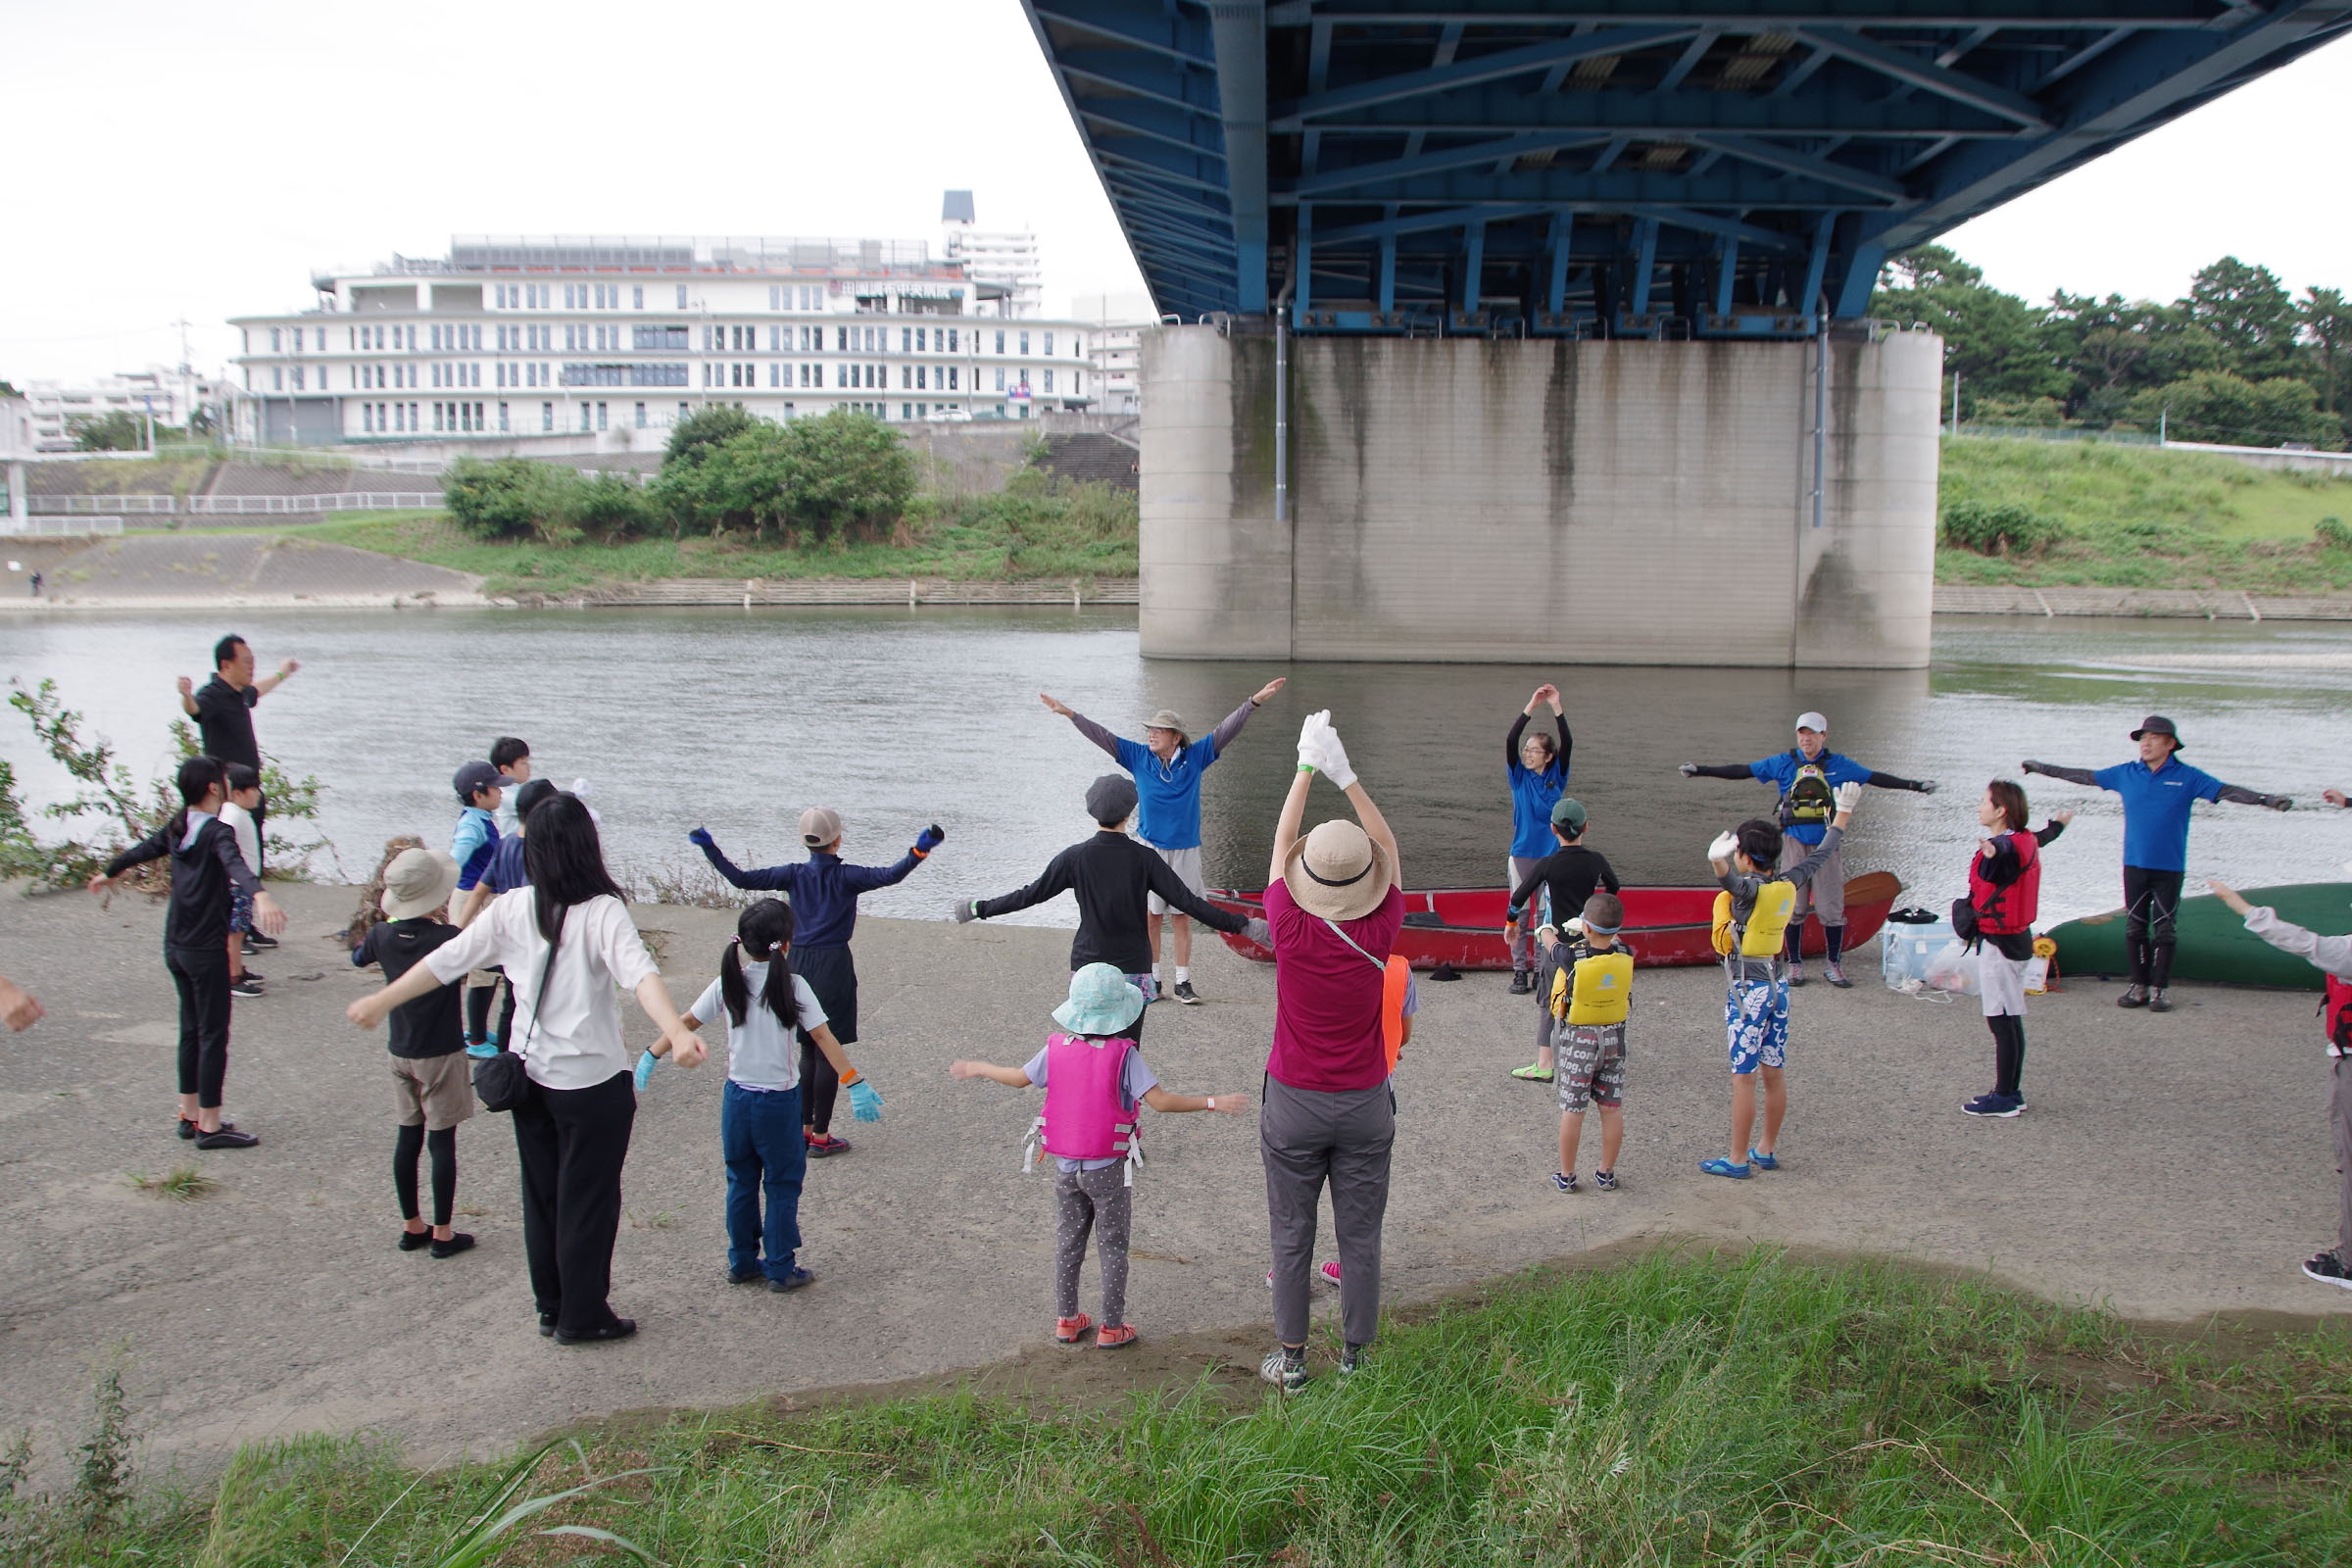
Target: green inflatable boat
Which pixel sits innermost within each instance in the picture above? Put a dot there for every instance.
(2214, 943)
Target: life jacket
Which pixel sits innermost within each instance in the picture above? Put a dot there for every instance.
(1395, 976)
(1767, 923)
(1087, 1115)
(2011, 911)
(1597, 989)
(1809, 802)
(2335, 1015)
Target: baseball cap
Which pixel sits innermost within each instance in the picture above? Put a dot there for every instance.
(1111, 799)
(820, 825)
(1810, 720)
(533, 791)
(476, 777)
(1569, 814)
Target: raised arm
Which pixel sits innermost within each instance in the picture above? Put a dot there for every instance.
(1086, 726)
(2072, 776)
(1334, 764)
(1511, 741)
(866, 878)
(767, 879)
(1294, 804)
(187, 697)
(269, 683)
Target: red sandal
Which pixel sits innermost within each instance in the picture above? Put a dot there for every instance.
(1070, 1330)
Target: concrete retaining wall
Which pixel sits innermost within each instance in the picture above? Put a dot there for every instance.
(1632, 502)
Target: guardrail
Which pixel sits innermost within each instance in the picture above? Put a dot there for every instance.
(92, 505)
(67, 528)
(330, 501)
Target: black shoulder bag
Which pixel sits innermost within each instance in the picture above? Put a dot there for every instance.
(501, 1082)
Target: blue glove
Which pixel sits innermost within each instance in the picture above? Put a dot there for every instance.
(864, 1102)
(701, 836)
(929, 839)
(645, 1067)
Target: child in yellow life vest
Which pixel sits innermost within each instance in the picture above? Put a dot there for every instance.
(1753, 921)
(1591, 994)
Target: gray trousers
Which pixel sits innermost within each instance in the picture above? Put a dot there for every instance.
(2339, 1123)
(1306, 1136)
(1519, 868)
(1099, 1200)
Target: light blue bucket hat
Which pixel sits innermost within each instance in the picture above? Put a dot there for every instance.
(1103, 1002)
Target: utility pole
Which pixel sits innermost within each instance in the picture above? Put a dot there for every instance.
(1955, 403)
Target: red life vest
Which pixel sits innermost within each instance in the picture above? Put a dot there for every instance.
(2335, 1012)
(2010, 911)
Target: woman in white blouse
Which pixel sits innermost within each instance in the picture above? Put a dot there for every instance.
(572, 1132)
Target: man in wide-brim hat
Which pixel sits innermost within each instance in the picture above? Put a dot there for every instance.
(1332, 912)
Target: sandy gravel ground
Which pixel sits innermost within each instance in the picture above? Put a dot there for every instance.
(2171, 1168)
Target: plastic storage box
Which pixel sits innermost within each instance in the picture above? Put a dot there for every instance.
(1905, 950)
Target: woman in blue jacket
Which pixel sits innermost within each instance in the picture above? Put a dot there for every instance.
(1537, 766)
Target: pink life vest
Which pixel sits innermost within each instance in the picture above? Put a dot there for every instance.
(1087, 1115)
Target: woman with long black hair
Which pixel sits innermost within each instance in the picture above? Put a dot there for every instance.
(566, 940)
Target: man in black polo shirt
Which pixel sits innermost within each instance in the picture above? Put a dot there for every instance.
(222, 709)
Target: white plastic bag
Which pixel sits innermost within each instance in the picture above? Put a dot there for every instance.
(1953, 970)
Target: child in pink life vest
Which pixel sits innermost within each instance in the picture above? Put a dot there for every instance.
(1095, 1081)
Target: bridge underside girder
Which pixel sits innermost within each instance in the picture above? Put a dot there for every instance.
(1606, 168)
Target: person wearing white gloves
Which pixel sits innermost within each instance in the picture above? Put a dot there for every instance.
(1756, 1002)
(1332, 912)
(2332, 956)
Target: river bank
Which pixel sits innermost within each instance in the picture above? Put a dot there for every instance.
(276, 1302)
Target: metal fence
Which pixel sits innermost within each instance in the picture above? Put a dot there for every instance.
(92, 505)
(335, 501)
(66, 528)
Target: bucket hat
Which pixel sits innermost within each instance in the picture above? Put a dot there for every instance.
(1103, 1002)
(418, 882)
(1337, 872)
(1165, 718)
(2158, 725)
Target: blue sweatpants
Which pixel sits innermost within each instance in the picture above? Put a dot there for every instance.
(759, 1133)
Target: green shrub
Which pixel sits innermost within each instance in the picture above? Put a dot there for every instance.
(496, 500)
(823, 478)
(1998, 528)
(2333, 535)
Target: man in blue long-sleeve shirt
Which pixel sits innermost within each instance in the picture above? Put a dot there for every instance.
(823, 890)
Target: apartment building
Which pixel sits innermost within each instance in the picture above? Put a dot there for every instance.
(1115, 347)
(521, 335)
(169, 395)
(1007, 257)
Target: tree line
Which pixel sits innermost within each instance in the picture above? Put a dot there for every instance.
(2237, 359)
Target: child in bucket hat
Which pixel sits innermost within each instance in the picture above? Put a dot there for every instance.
(1095, 1079)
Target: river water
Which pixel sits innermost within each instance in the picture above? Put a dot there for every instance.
(737, 720)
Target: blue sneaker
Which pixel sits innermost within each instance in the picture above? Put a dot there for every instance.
(1563, 1181)
(1724, 1167)
(2004, 1106)
(1762, 1161)
(480, 1049)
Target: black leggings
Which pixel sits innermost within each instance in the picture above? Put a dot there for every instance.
(477, 1010)
(2151, 903)
(412, 1141)
(202, 980)
(2008, 1052)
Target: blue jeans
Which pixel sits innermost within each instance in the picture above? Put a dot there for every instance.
(759, 1133)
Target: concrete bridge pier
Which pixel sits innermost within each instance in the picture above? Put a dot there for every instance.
(1459, 499)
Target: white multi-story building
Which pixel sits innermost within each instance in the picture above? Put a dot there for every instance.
(169, 395)
(525, 336)
(1115, 347)
(1007, 257)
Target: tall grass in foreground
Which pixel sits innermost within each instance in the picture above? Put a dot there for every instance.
(1675, 1410)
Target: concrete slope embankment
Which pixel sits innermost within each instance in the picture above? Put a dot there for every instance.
(235, 570)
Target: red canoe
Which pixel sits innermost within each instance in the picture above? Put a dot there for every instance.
(1664, 926)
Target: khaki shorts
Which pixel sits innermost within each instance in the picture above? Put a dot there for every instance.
(1186, 864)
(437, 1091)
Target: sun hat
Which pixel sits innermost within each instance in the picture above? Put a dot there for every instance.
(2158, 725)
(1111, 799)
(418, 882)
(476, 777)
(1103, 1002)
(1810, 720)
(1337, 872)
(1568, 813)
(1165, 718)
(820, 825)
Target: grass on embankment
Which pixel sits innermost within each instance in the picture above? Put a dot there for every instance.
(1671, 1410)
(1040, 529)
(2143, 517)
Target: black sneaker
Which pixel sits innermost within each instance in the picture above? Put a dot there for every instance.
(459, 1241)
(2133, 996)
(255, 942)
(187, 1128)
(1185, 994)
(620, 1328)
(226, 1138)
(2160, 1001)
(745, 1276)
(252, 974)
(2329, 1269)
(547, 1325)
(416, 1241)
(1522, 982)
(245, 985)
(1352, 1357)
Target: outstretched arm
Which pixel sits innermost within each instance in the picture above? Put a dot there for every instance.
(1160, 1100)
(2072, 776)
(1716, 770)
(1009, 1077)
(2246, 797)
(1173, 892)
(1055, 880)
(1891, 781)
(1085, 726)
(767, 879)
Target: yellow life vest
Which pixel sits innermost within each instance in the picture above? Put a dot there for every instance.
(1767, 925)
(1603, 989)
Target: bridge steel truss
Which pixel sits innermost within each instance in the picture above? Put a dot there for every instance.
(1606, 168)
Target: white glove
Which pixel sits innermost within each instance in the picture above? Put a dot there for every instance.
(1722, 848)
(1849, 796)
(1310, 742)
(1335, 756)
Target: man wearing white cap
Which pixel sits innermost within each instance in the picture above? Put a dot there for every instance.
(1168, 768)
(1806, 777)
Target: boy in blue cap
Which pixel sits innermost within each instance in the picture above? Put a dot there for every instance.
(2158, 791)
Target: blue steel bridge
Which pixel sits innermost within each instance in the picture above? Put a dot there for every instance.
(1623, 169)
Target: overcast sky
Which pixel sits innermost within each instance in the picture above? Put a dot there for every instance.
(176, 161)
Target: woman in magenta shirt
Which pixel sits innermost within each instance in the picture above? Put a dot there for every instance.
(1333, 910)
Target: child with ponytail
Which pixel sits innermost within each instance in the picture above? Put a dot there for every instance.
(759, 1118)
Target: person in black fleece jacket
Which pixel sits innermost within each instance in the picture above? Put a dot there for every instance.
(206, 867)
(1113, 876)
